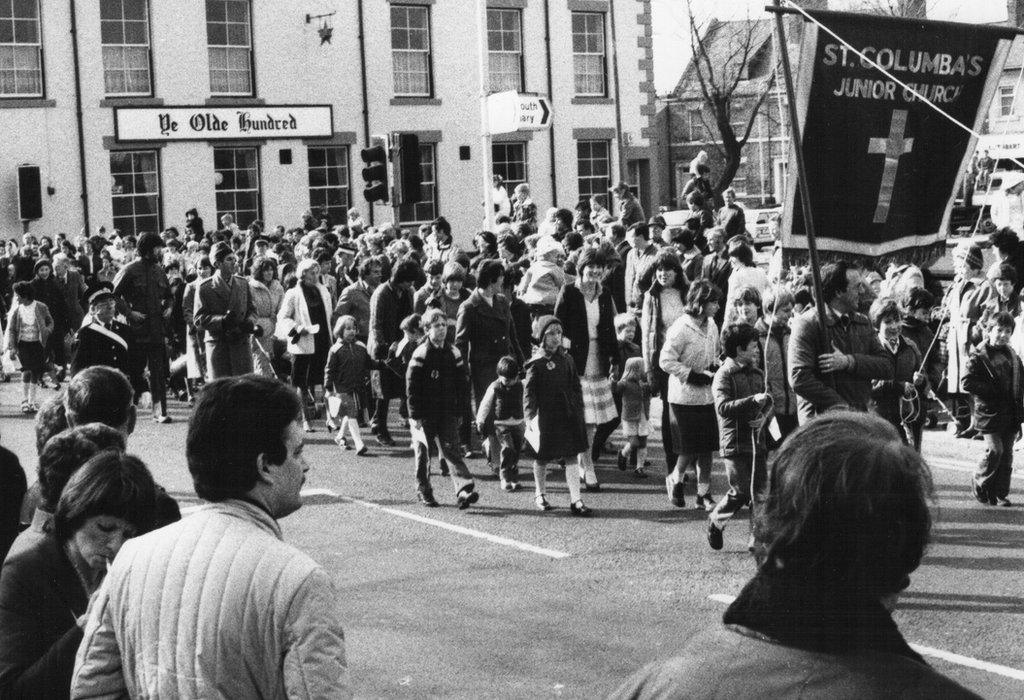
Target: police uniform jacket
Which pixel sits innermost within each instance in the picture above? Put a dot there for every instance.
(96, 344)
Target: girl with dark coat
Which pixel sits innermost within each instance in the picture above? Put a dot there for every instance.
(587, 314)
(554, 411)
(48, 293)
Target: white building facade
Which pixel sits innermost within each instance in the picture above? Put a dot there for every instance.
(204, 66)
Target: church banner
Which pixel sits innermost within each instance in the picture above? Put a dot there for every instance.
(883, 166)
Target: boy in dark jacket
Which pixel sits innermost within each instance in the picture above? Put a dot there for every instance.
(438, 397)
(994, 376)
(742, 406)
(898, 400)
(347, 370)
(501, 414)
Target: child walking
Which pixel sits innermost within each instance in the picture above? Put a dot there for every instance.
(634, 394)
(438, 397)
(29, 326)
(898, 400)
(554, 411)
(994, 376)
(501, 414)
(347, 370)
(742, 406)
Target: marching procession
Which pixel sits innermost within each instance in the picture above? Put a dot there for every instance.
(598, 345)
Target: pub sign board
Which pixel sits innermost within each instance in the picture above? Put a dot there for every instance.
(205, 123)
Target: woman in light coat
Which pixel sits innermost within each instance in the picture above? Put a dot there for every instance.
(690, 358)
(303, 322)
(267, 297)
(964, 303)
(663, 305)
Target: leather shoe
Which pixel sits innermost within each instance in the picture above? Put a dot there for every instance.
(542, 503)
(715, 537)
(384, 440)
(580, 510)
(426, 498)
(467, 497)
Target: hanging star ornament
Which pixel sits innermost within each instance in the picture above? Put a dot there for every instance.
(325, 33)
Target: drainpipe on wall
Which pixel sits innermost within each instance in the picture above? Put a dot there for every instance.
(668, 152)
(362, 77)
(78, 120)
(551, 96)
(618, 103)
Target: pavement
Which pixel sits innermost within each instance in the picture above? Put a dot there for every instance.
(504, 601)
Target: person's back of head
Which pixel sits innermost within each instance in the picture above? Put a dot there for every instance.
(50, 420)
(849, 507)
(235, 420)
(65, 452)
(100, 394)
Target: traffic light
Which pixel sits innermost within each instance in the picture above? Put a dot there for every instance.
(375, 174)
(405, 155)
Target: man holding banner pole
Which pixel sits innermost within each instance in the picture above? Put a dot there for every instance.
(889, 111)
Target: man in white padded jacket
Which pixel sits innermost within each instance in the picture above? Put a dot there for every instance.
(218, 605)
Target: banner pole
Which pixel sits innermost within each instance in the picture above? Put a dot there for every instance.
(801, 171)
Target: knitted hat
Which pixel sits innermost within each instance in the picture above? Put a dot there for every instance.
(219, 251)
(148, 242)
(541, 324)
(42, 262)
(970, 254)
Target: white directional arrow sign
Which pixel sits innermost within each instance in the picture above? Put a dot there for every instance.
(511, 111)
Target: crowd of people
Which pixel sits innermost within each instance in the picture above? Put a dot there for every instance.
(543, 340)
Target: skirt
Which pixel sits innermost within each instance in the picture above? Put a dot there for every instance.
(32, 358)
(694, 429)
(598, 403)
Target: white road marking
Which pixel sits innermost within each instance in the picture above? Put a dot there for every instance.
(951, 465)
(921, 649)
(494, 539)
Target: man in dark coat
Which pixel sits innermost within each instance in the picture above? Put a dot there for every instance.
(390, 304)
(717, 266)
(72, 287)
(224, 309)
(48, 292)
(12, 489)
(105, 340)
(839, 375)
(144, 297)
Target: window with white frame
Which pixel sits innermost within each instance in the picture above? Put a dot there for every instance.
(695, 124)
(237, 184)
(410, 50)
(135, 191)
(425, 210)
(21, 49)
(588, 53)
(328, 180)
(593, 166)
(229, 45)
(509, 161)
(124, 32)
(739, 181)
(1006, 93)
(505, 49)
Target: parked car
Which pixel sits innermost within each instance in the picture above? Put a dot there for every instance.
(764, 225)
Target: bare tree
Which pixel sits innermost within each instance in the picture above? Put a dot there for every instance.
(723, 75)
(914, 9)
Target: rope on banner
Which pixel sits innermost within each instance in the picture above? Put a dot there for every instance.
(887, 74)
